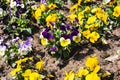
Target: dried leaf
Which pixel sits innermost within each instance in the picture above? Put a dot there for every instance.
(112, 58)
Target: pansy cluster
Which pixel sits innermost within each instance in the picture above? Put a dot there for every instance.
(84, 22)
(92, 71)
(24, 70)
(60, 39)
(11, 50)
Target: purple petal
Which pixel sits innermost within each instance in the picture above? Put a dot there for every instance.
(67, 26)
(52, 23)
(18, 1)
(43, 2)
(54, 48)
(65, 36)
(29, 39)
(63, 28)
(76, 20)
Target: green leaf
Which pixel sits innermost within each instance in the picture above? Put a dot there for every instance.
(28, 30)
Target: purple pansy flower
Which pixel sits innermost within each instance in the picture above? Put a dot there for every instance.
(25, 47)
(48, 35)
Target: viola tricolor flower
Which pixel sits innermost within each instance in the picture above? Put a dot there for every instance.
(64, 42)
(74, 33)
(25, 47)
(2, 50)
(46, 34)
(77, 38)
(44, 41)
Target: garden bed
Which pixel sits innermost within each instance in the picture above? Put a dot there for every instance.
(54, 42)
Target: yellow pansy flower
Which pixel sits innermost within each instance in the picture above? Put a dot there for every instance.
(72, 17)
(18, 62)
(35, 76)
(64, 42)
(94, 36)
(97, 68)
(82, 72)
(116, 12)
(44, 41)
(81, 15)
(37, 13)
(13, 73)
(25, 59)
(91, 62)
(94, 10)
(69, 76)
(87, 9)
(26, 74)
(40, 65)
(91, 19)
(42, 7)
(102, 16)
(86, 33)
(52, 6)
(73, 8)
(51, 18)
(92, 76)
(92, 27)
(81, 22)
(79, 2)
(77, 38)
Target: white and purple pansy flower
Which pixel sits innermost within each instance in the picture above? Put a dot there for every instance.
(2, 50)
